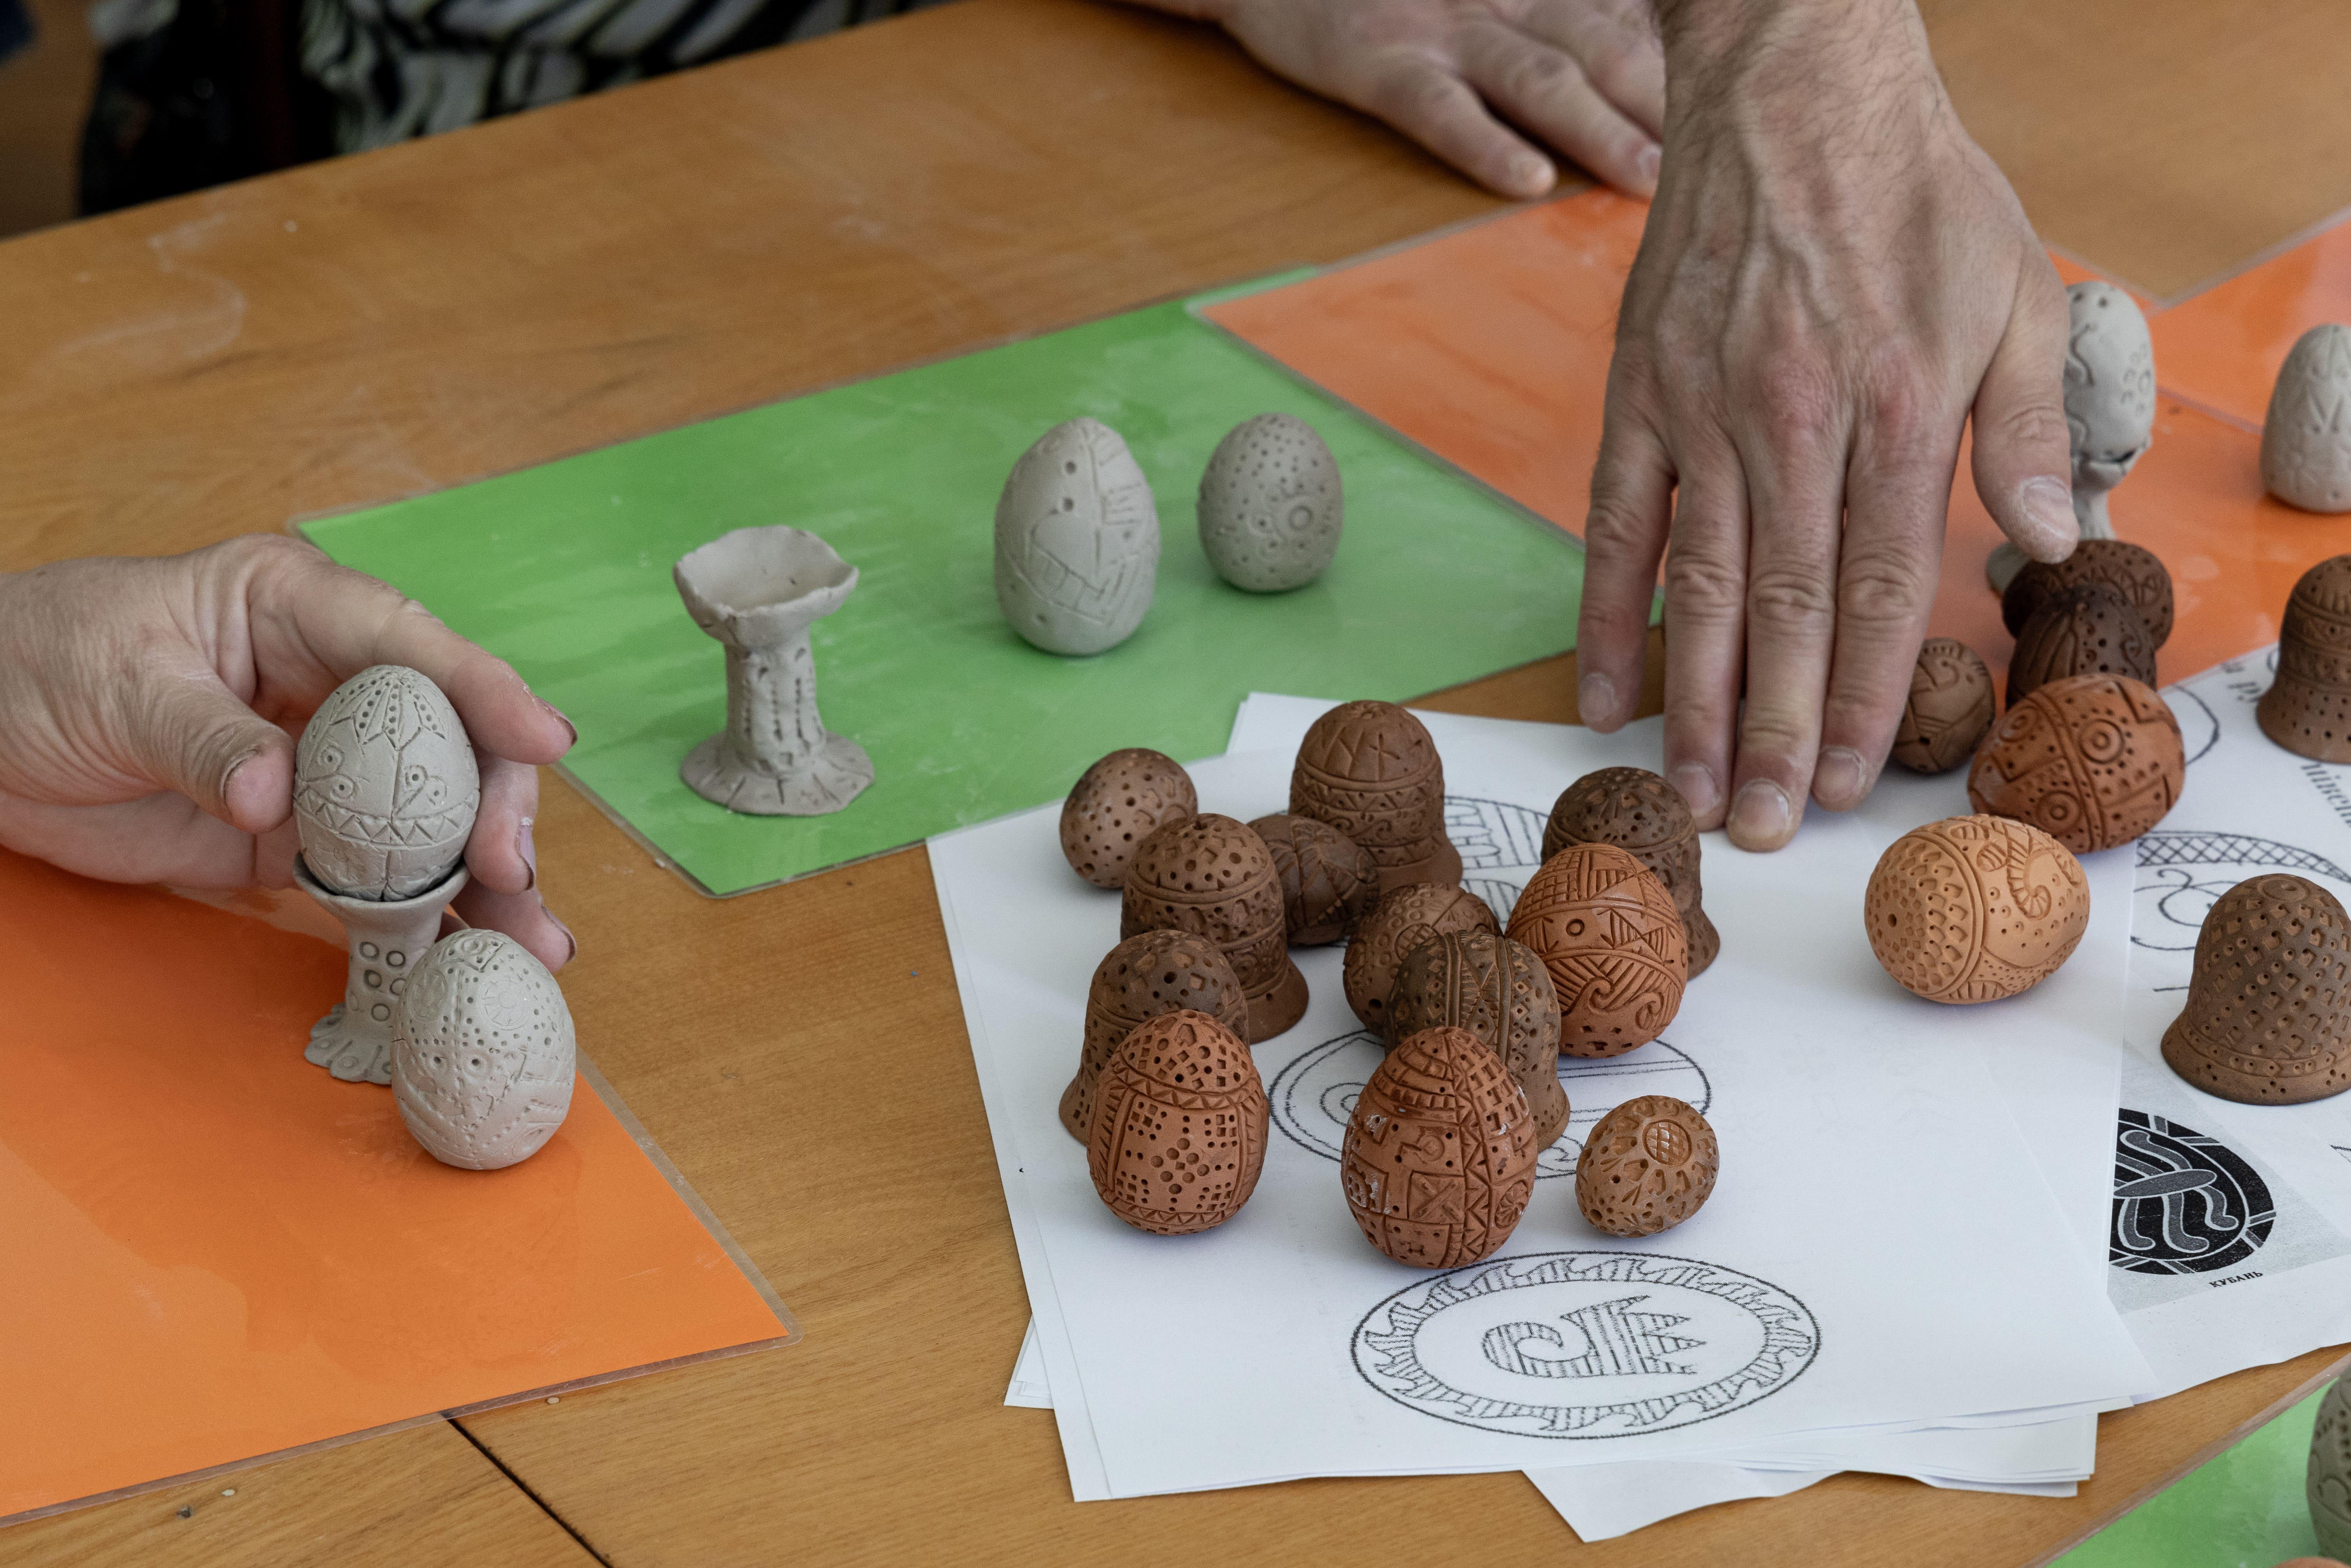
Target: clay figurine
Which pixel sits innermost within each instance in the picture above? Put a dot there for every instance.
(482, 1055)
(2094, 760)
(1119, 802)
(2268, 1018)
(2327, 1485)
(1972, 909)
(2132, 571)
(1144, 976)
(1269, 505)
(1370, 770)
(2307, 708)
(1077, 541)
(2087, 630)
(1500, 992)
(1401, 921)
(1179, 1127)
(1439, 1157)
(1329, 881)
(1613, 942)
(1950, 707)
(1643, 815)
(1646, 1166)
(2306, 439)
(1210, 876)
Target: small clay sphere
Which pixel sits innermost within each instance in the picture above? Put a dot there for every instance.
(1210, 876)
(1610, 936)
(1329, 880)
(1144, 976)
(1401, 921)
(2326, 1484)
(1179, 1125)
(1643, 815)
(1972, 909)
(1500, 992)
(2094, 760)
(1646, 1166)
(2268, 1020)
(2132, 571)
(1439, 1157)
(2307, 709)
(2085, 630)
(1119, 802)
(1371, 770)
(1949, 708)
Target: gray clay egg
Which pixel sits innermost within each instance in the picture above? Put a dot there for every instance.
(1269, 505)
(1077, 541)
(2306, 440)
(482, 1052)
(385, 787)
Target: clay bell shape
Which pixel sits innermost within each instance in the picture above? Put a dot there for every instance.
(2307, 708)
(758, 591)
(1401, 921)
(2087, 630)
(1211, 876)
(1498, 991)
(1950, 707)
(1270, 507)
(2306, 439)
(2327, 1485)
(1077, 541)
(2132, 571)
(2268, 1020)
(1439, 1157)
(1608, 932)
(1329, 881)
(1647, 818)
(1179, 1127)
(2093, 760)
(1370, 770)
(483, 1054)
(1142, 978)
(1119, 802)
(1646, 1166)
(1972, 909)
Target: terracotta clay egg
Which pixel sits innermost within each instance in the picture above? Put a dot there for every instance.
(1949, 708)
(1643, 815)
(1371, 770)
(1270, 507)
(2094, 760)
(2268, 1020)
(1495, 989)
(1329, 881)
(2085, 630)
(1646, 1166)
(385, 787)
(1609, 934)
(1401, 921)
(1144, 976)
(2132, 571)
(2327, 1485)
(1211, 876)
(2306, 439)
(1077, 541)
(482, 1052)
(1439, 1157)
(1179, 1127)
(1971, 909)
(1119, 802)
(2307, 709)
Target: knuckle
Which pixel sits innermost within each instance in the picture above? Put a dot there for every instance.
(1787, 600)
(2040, 422)
(1412, 92)
(1773, 734)
(1794, 395)
(1880, 590)
(1701, 586)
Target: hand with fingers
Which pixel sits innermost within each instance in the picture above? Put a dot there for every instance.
(1833, 282)
(149, 710)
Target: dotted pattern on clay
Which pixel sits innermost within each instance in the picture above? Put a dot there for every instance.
(2109, 375)
(1497, 990)
(1971, 909)
(482, 1052)
(2307, 708)
(1210, 876)
(1269, 508)
(2327, 1485)
(2094, 760)
(1370, 770)
(1641, 814)
(385, 786)
(1142, 978)
(1178, 1134)
(2265, 1020)
(2087, 630)
(1647, 1166)
(1400, 921)
(1950, 707)
(1119, 802)
(1439, 1157)
(1610, 936)
(1077, 540)
(2306, 439)
(2133, 570)
(1329, 881)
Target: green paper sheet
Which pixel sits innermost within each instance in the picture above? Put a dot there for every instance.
(2243, 1509)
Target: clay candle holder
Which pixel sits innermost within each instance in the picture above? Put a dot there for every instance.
(1142, 978)
(1179, 1127)
(2268, 1020)
(1119, 802)
(2094, 760)
(1643, 815)
(1610, 936)
(483, 1054)
(1646, 1166)
(2307, 709)
(1972, 909)
(2131, 571)
(1210, 876)
(2087, 630)
(1329, 881)
(1400, 921)
(1950, 707)
(1439, 1157)
(2306, 439)
(1501, 993)
(1371, 770)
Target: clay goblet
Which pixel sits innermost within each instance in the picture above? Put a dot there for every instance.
(387, 937)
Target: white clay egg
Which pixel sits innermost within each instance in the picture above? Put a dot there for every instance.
(1269, 505)
(2109, 376)
(2306, 440)
(1077, 540)
(482, 1052)
(385, 787)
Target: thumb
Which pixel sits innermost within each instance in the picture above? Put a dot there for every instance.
(190, 734)
(2024, 460)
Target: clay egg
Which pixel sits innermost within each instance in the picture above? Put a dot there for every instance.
(1269, 505)
(482, 1052)
(2087, 630)
(2094, 760)
(1119, 802)
(1077, 541)
(1971, 909)
(385, 787)
(2327, 1485)
(1329, 881)
(1439, 1157)
(1949, 708)
(1370, 770)
(2132, 571)
(1179, 1127)
(2306, 439)
(1610, 936)
(1401, 921)
(2307, 708)
(2109, 383)
(2268, 1020)
(1500, 992)
(1144, 976)
(1210, 876)
(1646, 1166)
(1647, 818)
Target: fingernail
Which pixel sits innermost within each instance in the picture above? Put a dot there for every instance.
(2049, 528)
(1840, 778)
(1648, 164)
(565, 929)
(529, 853)
(1758, 817)
(1696, 782)
(1595, 699)
(557, 714)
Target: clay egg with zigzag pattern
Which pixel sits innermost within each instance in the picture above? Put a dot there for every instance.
(385, 787)
(1608, 931)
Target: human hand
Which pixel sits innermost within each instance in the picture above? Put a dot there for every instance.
(148, 710)
(1834, 280)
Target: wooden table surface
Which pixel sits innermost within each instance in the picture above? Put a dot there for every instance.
(413, 319)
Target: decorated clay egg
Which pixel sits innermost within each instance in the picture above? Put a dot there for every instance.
(1179, 1127)
(2109, 395)
(1971, 909)
(385, 787)
(482, 1052)
(1402, 920)
(1949, 708)
(1608, 932)
(2327, 1485)
(2268, 1020)
(1119, 802)
(2307, 708)
(1500, 992)
(1210, 876)
(1647, 818)
(1144, 976)
(2094, 760)
(1269, 505)
(1370, 770)
(1329, 881)
(1077, 541)
(1439, 1157)
(1646, 1166)
(2306, 439)
(2132, 571)
(2087, 630)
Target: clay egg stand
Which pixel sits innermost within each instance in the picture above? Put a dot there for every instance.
(1400, 921)
(1643, 815)
(1439, 1159)
(2268, 1016)
(2094, 760)
(1144, 976)
(2307, 708)
(1370, 770)
(1608, 932)
(1950, 707)
(1329, 881)
(1497, 990)
(1210, 876)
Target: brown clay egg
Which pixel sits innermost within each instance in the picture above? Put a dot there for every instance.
(2093, 760)
(1500, 992)
(2307, 709)
(1329, 881)
(1439, 1157)
(2268, 1020)
(1179, 1127)
(1949, 708)
(1643, 815)
(1210, 876)
(1610, 936)
(1971, 909)
(1144, 976)
(1119, 802)
(2130, 570)
(1371, 770)
(1646, 1166)
(1401, 921)
(2085, 630)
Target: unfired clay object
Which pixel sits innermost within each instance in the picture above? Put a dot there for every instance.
(2306, 439)
(385, 787)
(1972, 909)
(1950, 707)
(1210, 876)
(2307, 708)
(1119, 802)
(1646, 1166)
(1500, 992)
(1270, 508)
(758, 591)
(1643, 815)
(1370, 770)
(2132, 571)
(2087, 630)
(1329, 881)
(2327, 1485)
(2268, 1020)
(1077, 541)
(387, 940)
(1179, 1127)
(1401, 921)
(1439, 1157)
(1609, 934)
(2094, 760)
(482, 1052)
(1144, 976)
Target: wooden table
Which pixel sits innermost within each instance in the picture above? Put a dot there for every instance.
(383, 325)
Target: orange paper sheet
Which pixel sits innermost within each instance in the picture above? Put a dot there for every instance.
(2223, 348)
(215, 1251)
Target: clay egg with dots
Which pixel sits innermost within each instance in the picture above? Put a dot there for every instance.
(1608, 932)
(2268, 1016)
(1144, 976)
(1210, 876)
(1645, 816)
(1371, 770)
(2307, 708)
(385, 787)
(1118, 802)
(1270, 507)
(1972, 909)
(482, 1052)
(1401, 921)
(2088, 629)
(2132, 571)
(1646, 1166)
(1500, 992)
(1179, 1127)
(1438, 1160)
(1329, 881)
(2093, 760)
(1077, 541)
